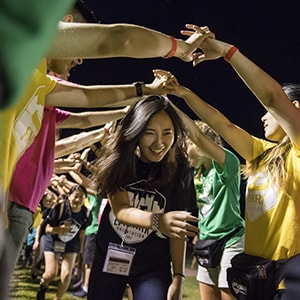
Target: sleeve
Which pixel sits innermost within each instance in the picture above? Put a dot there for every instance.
(185, 196)
(260, 145)
(54, 215)
(61, 115)
(230, 169)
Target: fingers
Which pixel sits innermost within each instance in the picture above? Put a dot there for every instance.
(181, 226)
(195, 28)
(167, 76)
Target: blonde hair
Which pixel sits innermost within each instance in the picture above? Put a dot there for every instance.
(274, 160)
(209, 132)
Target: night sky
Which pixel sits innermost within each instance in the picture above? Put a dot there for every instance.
(268, 32)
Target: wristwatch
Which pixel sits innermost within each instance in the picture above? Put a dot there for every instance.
(138, 87)
(154, 226)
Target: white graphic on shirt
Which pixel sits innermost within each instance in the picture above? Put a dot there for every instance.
(27, 125)
(205, 194)
(147, 200)
(74, 228)
(261, 196)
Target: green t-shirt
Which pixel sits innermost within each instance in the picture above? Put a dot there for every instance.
(218, 196)
(93, 204)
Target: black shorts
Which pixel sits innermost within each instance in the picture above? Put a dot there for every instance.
(71, 246)
(89, 248)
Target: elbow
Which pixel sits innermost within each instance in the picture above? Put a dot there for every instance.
(272, 94)
(117, 43)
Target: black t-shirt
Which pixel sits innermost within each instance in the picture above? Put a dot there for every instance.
(79, 221)
(151, 251)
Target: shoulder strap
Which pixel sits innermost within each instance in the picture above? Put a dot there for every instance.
(61, 210)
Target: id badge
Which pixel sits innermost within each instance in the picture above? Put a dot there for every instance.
(118, 259)
(59, 247)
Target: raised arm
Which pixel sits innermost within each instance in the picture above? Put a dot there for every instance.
(266, 89)
(90, 119)
(75, 40)
(68, 94)
(212, 150)
(77, 142)
(230, 132)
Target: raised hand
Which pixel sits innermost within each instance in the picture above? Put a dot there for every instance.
(196, 38)
(169, 82)
(210, 48)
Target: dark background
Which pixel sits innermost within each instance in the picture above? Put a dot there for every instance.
(268, 32)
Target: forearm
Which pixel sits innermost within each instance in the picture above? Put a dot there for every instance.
(77, 142)
(177, 247)
(135, 217)
(262, 85)
(69, 95)
(207, 113)
(52, 229)
(81, 240)
(83, 180)
(230, 132)
(90, 119)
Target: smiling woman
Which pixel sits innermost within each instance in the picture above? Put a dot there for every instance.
(157, 138)
(144, 170)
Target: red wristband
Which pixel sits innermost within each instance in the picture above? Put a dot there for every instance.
(174, 48)
(230, 53)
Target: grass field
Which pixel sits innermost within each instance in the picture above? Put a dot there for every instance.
(23, 287)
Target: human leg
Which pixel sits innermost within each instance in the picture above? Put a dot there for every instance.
(20, 220)
(38, 258)
(208, 283)
(151, 285)
(51, 271)
(209, 292)
(51, 267)
(67, 265)
(89, 248)
(83, 289)
(228, 254)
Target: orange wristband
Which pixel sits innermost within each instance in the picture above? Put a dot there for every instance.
(230, 53)
(174, 48)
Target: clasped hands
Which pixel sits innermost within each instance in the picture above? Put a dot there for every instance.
(204, 40)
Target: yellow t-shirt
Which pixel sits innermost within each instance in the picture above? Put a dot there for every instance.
(37, 217)
(273, 217)
(21, 122)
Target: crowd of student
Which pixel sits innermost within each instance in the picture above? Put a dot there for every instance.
(157, 168)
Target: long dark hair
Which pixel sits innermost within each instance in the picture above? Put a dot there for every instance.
(116, 166)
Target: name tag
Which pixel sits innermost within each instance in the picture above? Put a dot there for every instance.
(118, 259)
(59, 247)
